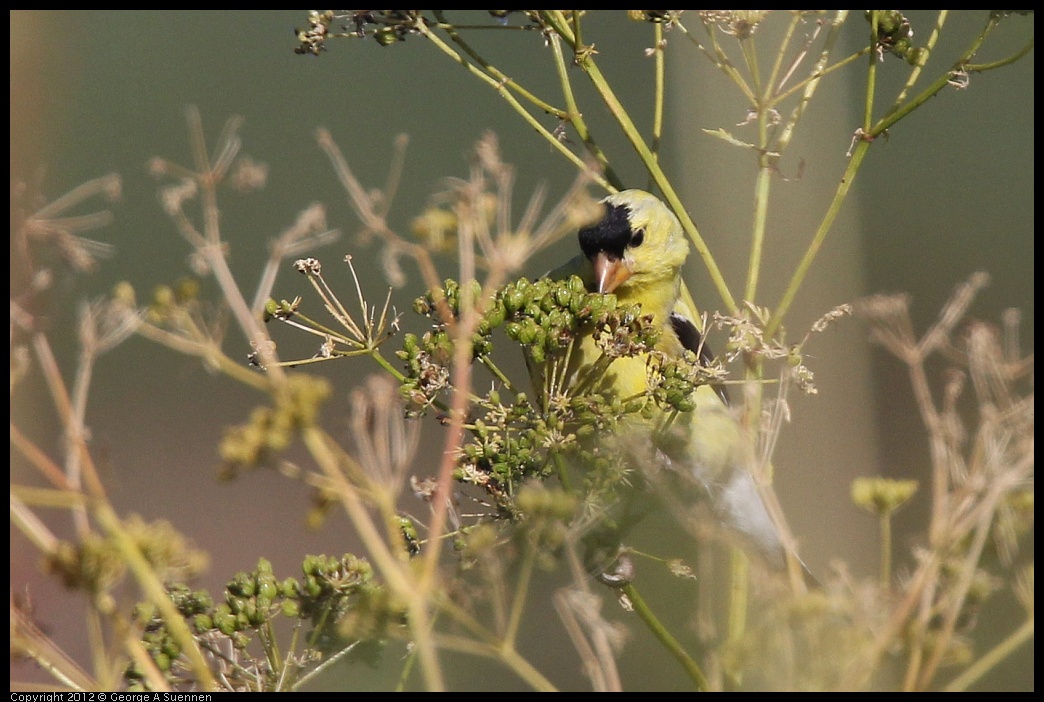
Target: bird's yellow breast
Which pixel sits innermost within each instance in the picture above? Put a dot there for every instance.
(629, 375)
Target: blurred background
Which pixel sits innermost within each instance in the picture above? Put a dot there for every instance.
(948, 193)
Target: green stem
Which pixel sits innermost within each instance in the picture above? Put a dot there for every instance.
(505, 654)
(288, 676)
(513, 101)
(156, 593)
(518, 605)
(270, 644)
(886, 549)
(208, 351)
(995, 655)
(658, 83)
(781, 52)
(563, 471)
(576, 117)
(398, 375)
(721, 59)
(319, 627)
(922, 58)
(738, 596)
(407, 668)
(982, 67)
(96, 642)
(959, 594)
(781, 97)
(525, 670)
(871, 74)
(492, 70)
(961, 65)
(660, 632)
(400, 579)
(311, 326)
(817, 240)
(869, 133)
(811, 84)
(499, 374)
(750, 57)
(211, 251)
(328, 663)
(761, 200)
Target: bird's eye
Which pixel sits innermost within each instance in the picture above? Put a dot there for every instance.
(638, 238)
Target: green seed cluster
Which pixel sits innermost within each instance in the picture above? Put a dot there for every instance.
(338, 596)
(427, 370)
(271, 429)
(542, 316)
(549, 511)
(427, 357)
(546, 315)
(169, 302)
(386, 27)
(882, 495)
(506, 446)
(196, 607)
(410, 538)
(673, 382)
(626, 332)
(895, 35)
(97, 563)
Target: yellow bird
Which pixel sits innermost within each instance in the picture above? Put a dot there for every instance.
(636, 251)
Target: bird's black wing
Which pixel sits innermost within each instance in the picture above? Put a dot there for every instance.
(691, 339)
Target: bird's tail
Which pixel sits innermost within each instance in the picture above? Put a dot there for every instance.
(742, 510)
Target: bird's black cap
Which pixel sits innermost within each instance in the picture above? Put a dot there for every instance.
(611, 234)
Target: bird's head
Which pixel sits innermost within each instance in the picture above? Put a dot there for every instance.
(638, 242)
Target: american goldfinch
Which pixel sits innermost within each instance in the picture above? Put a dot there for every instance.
(636, 252)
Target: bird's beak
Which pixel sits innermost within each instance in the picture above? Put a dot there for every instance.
(610, 271)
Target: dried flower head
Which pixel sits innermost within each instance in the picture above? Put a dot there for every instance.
(385, 440)
(361, 335)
